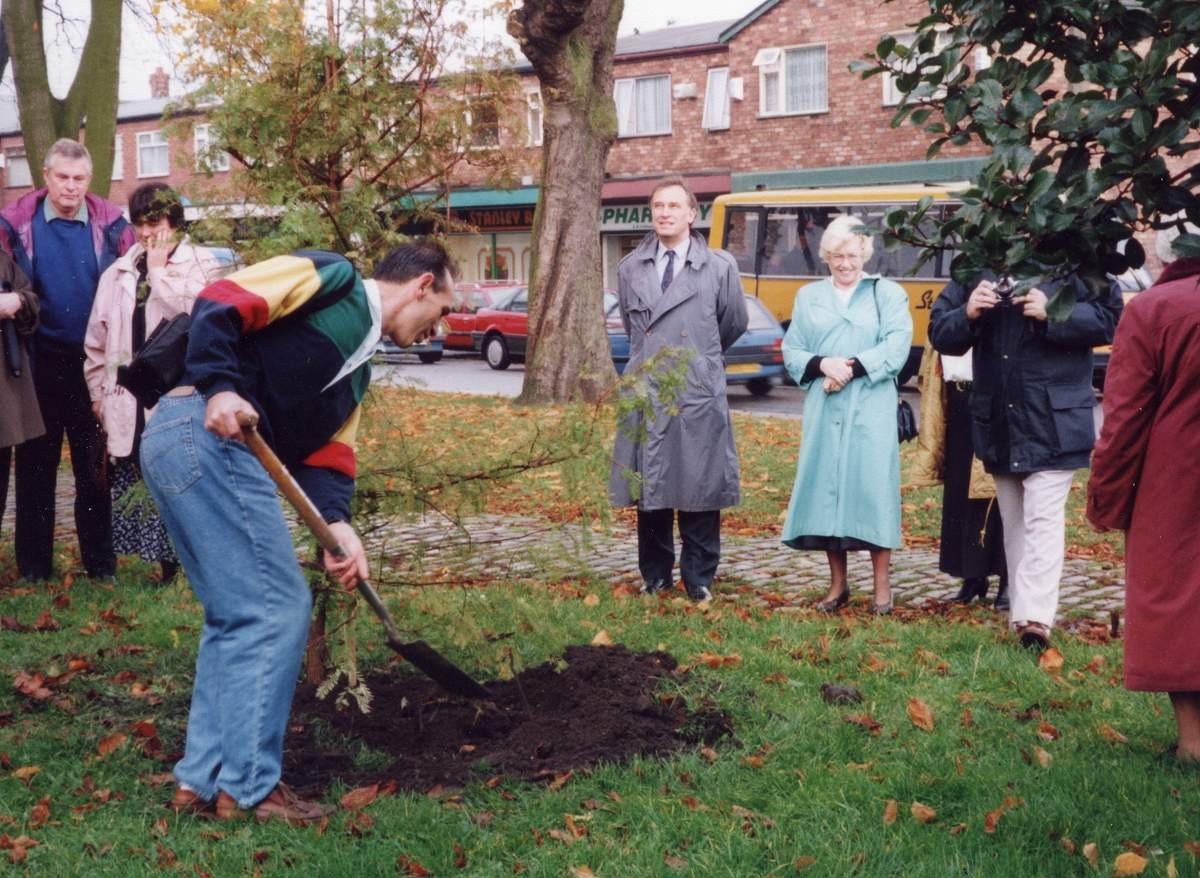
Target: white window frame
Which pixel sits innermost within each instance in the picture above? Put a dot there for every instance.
(468, 119)
(215, 161)
(625, 97)
(118, 167)
(716, 100)
(11, 157)
(891, 94)
(772, 62)
(535, 116)
(147, 140)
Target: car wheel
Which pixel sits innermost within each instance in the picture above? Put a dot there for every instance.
(495, 351)
(430, 356)
(759, 386)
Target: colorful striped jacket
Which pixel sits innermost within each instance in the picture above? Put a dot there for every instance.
(293, 335)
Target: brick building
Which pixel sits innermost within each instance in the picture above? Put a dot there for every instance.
(764, 101)
(147, 149)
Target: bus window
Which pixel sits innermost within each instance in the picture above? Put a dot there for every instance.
(741, 237)
(792, 241)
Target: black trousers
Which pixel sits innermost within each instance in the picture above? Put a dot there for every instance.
(5, 466)
(972, 539)
(66, 409)
(699, 534)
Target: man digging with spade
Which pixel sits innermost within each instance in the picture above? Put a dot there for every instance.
(289, 341)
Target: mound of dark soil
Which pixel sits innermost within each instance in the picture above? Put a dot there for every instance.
(598, 704)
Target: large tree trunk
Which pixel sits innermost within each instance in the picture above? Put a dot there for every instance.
(92, 97)
(570, 44)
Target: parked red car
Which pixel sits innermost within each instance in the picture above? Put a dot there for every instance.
(500, 331)
(474, 295)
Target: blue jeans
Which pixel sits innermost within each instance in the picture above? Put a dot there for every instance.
(223, 515)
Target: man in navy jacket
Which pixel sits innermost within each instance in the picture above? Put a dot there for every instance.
(1032, 421)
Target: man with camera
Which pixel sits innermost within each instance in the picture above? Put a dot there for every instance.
(1032, 422)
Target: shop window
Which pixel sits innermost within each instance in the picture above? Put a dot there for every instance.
(792, 81)
(16, 169)
(500, 268)
(154, 160)
(643, 106)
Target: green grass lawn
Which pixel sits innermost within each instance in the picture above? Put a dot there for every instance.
(1024, 770)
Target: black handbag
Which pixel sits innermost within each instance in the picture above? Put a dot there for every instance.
(158, 365)
(906, 420)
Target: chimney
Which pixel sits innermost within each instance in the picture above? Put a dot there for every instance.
(160, 84)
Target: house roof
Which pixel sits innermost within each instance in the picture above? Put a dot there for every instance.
(736, 27)
(147, 108)
(665, 39)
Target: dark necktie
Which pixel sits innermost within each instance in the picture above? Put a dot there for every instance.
(669, 274)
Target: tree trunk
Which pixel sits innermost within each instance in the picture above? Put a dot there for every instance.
(91, 98)
(316, 653)
(570, 44)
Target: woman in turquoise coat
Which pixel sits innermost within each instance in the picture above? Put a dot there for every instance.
(849, 337)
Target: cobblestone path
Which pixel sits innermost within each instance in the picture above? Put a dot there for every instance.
(493, 547)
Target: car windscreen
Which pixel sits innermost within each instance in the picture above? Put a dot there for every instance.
(760, 317)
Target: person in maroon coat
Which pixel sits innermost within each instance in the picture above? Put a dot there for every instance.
(1145, 481)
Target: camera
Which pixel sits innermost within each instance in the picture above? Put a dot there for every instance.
(1004, 288)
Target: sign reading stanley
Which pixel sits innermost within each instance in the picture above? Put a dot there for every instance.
(497, 219)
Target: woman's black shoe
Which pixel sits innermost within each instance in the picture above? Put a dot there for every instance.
(1002, 595)
(973, 587)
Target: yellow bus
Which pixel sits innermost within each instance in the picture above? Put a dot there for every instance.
(775, 235)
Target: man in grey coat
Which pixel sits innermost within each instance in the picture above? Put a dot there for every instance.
(677, 293)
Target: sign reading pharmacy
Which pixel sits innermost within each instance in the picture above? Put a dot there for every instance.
(613, 218)
(637, 218)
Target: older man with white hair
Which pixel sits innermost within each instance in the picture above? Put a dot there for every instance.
(63, 237)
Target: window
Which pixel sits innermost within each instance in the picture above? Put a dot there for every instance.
(533, 117)
(17, 169)
(891, 91)
(792, 81)
(716, 99)
(643, 106)
(208, 157)
(118, 171)
(153, 158)
(483, 125)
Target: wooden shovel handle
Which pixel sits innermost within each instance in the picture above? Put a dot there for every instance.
(309, 515)
(287, 484)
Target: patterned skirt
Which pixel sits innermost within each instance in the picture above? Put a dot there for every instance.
(137, 527)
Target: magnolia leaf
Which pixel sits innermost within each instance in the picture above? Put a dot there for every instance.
(923, 813)
(1129, 863)
(920, 714)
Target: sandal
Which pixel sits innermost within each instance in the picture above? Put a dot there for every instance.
(1033, 635)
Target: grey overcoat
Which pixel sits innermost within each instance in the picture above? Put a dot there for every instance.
(685, 460)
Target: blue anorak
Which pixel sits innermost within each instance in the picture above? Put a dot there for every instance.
(848, 475)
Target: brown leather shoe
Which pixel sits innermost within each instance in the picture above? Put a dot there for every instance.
(184, 801)
(281, 804)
